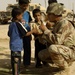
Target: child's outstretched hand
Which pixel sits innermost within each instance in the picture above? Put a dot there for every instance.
(35, 31)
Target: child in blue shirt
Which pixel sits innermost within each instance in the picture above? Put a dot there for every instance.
(27, 39)
(16, 32)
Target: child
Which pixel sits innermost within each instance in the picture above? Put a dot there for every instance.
(38, 46)
(27, 39)
(16, 32)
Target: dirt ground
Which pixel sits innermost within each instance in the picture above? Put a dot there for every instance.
(5, 67)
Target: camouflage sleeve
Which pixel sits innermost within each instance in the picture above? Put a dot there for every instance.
(60, 35)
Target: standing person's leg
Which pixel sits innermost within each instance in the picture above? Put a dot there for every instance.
(37, 49)
(27, 50)
(42, 47)
(15, 62)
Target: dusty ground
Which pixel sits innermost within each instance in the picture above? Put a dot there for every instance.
(5, 68)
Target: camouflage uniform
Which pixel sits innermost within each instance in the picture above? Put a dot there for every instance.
(62, 40)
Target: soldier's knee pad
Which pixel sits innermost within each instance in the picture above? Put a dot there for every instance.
(52, 48)
(40, 55)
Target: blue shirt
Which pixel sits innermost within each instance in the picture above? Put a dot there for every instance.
(26, 18)
(16, 43)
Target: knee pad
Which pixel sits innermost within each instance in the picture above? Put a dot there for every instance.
(16, 60)
(16, 56)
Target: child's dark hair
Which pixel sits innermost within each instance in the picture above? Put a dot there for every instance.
(51, 1)
(36, 11)
(24, 1)
(16, 11)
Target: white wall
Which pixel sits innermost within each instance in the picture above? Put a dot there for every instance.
(4, 4)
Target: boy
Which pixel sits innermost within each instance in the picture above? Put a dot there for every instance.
(16, 32)
(38, 45)
(27, 39)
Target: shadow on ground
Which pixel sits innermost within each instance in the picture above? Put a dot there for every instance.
(5, 66)
(5, 69)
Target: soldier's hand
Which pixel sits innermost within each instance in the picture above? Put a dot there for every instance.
(42, 27)
(49, 24)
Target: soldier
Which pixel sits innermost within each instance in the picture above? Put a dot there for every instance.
(61, 38)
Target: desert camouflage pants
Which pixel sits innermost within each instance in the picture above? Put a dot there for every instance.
(60, 55)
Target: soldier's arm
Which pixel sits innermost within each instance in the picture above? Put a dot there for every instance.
(59, 36)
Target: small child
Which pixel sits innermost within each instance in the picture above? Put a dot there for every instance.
(16, 32)
(38, 46)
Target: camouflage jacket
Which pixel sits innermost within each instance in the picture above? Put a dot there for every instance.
(63, 33)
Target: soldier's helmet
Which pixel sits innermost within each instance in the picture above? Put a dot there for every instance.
(55, 8)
